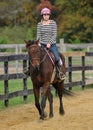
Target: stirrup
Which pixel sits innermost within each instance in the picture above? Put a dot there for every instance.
(61, 76)
(26, 72)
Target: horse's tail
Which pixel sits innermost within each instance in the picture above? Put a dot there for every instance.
(67, 92)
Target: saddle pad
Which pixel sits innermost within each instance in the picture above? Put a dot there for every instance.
(53, 74)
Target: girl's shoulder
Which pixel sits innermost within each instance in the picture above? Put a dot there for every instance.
(39, 23)
(53, 21)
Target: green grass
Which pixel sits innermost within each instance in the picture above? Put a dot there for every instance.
(16, 34)
(79, 88)
(16, 85)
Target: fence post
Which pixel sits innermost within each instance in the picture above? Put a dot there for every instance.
(88, 48)
(16, 52)
(62, 46)
(6, 102)
(25, 81)
(83, 72)
(70, 72)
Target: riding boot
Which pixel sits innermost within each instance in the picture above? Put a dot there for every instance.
(26, 71)
(60, 74)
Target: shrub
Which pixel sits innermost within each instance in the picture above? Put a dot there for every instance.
(76, 41)
(3, 40)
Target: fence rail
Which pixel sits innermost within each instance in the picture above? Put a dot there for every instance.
(24, 57)
(18, 48)
(79, 46)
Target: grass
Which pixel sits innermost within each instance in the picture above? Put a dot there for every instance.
(15, 85)
(16, 34)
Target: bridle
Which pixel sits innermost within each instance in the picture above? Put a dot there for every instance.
(38, 58)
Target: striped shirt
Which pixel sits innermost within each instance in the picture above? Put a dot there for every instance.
(47, 33)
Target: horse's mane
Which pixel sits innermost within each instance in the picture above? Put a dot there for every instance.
(30, 42)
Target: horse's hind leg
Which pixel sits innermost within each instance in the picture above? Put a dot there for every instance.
(60, 94)
(61, 109)
(50, 99)
(59, 90)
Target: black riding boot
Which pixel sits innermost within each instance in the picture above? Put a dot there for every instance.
(26, 71)
(60, 74)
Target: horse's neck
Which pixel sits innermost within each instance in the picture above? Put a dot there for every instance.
(46, 55)
(43, 52)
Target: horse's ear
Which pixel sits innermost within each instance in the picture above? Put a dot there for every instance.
(37, 41)
(26, 43)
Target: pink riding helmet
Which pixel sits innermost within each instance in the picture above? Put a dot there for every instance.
(45, 11)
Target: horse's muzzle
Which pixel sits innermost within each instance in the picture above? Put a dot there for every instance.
(36, 67)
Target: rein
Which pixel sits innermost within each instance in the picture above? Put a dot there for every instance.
(44, 57)
(49, 56)
(47, 53)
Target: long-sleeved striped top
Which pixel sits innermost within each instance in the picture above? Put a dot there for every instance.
(47, 33)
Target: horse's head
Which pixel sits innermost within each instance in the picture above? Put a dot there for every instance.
(34, 52)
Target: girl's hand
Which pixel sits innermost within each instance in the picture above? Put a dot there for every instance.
(48, 45)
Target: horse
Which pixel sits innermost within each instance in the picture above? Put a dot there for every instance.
(41, 72)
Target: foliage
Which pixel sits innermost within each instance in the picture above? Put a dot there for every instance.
(76, 27)
(31, 33)
(17, 34)
(74, 18)
(3, 40)
(76, 41)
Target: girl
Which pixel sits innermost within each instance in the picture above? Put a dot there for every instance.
(47, 33)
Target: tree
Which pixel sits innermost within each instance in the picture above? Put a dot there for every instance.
(74, 17)
(75, 20)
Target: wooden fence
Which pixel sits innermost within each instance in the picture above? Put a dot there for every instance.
(64, 47)
(24, 57)
(18, 48)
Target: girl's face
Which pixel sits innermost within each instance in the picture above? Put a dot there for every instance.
(46, 17)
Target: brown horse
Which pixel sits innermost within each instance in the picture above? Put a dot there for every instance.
(41, 71)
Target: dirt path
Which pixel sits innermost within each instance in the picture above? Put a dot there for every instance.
(79, 115)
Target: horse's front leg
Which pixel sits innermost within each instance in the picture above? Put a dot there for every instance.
(43, 104)
(43, 101)
(50, 99)
(36, 95)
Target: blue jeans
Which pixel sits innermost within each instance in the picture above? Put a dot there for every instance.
(54, 50)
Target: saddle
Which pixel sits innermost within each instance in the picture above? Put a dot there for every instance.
(57, 72)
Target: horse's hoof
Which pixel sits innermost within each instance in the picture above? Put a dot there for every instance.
(41, 118)
(45, 114)
(51, 115)
(62, 112)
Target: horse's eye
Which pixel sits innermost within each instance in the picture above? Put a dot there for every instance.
(37, 50)
(32, 50)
